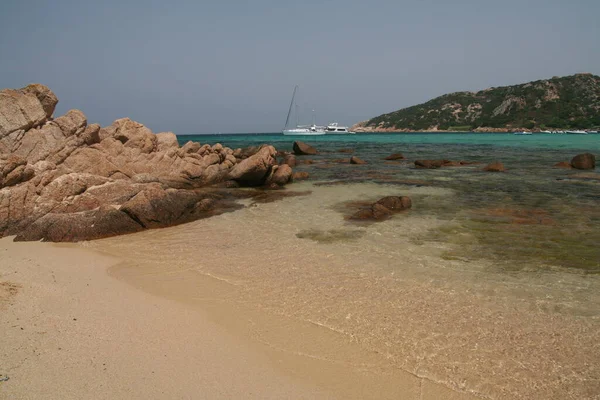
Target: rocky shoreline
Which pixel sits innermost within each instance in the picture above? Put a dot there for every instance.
(64, 180)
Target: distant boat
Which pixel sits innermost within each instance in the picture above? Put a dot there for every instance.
(335, 129)
(576, 132)
(300, 129)
(522, 133)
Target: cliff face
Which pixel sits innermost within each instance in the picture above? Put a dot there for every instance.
(565, 102)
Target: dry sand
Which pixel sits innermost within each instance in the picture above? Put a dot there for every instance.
(70, 331)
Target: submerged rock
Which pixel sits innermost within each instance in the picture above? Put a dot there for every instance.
(356, 160)
(290, 160)
(395, 203)
(299, 176)
(584, 161)
(395, 156)
(495, 167)
(303, 149)
(429, 164)
(383, 208)
(563, 164)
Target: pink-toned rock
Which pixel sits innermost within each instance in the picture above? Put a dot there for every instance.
(19, 110)
(135, 135)
(72, 122)
(166, 140)
(46, 97)
(254, 170)
(72, 227)
(282, 175)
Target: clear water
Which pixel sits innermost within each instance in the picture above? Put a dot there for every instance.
(490, 284)
(546, 215)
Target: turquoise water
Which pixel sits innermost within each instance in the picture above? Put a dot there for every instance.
(541, 141)
(531, 216)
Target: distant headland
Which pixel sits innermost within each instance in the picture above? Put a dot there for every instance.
(570, 102)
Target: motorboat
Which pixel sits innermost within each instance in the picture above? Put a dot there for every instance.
(335, 129)
(576, 132)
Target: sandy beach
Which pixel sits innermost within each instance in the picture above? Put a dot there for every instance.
(71, 331)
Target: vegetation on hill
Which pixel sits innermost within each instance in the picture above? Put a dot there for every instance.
(557, 103)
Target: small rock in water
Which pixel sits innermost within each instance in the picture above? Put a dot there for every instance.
(383, 208)
(395, 203)
(356, 160)
(303, 149)
(584, 161)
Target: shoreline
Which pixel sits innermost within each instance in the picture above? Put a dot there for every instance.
(107, 335)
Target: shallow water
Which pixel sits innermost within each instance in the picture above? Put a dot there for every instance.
(490, 284)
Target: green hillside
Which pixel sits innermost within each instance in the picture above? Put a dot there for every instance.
(557, 103)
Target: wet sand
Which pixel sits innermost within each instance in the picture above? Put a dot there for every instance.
(70, 331)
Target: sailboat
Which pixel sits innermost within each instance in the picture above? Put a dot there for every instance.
(300, 129)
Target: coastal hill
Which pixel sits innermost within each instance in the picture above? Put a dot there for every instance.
(558, 103)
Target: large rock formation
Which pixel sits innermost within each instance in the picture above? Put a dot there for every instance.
(64, 180)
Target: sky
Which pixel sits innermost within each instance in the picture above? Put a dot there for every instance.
(228, 66)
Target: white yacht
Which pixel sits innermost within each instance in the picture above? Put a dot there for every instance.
(335, 129)
(309, 130)
(577, 132)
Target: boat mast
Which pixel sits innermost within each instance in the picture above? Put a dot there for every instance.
(287, 120)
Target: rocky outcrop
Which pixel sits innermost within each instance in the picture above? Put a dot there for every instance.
(584, 161)
(64, 180)
(303, 149)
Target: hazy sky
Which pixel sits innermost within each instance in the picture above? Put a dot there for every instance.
(230, 66)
